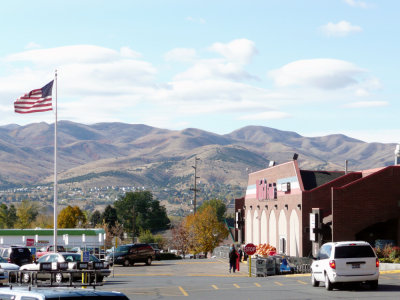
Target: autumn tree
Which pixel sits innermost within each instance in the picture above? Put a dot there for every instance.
(70, 217)
(180, 238)
(26, 214)
(205, 232)
(218, 205)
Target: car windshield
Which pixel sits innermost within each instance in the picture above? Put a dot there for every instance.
(72, 257)
(94, 258)
(2, 260)
(123, 249)
(354, 251)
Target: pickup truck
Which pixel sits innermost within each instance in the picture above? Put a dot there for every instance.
(48, 249)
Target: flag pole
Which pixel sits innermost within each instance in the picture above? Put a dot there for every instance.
(55, 171)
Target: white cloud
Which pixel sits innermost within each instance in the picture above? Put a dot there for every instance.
(317, 73)
(266, 115)
(340, 29)
(180, 55)
(238, 51)
(356, 3)
(366, 104)
(235, 56)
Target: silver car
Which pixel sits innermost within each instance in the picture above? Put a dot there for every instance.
(71, 258)
(5, 268)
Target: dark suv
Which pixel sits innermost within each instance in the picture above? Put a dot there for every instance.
(18, 255)
(132, 253)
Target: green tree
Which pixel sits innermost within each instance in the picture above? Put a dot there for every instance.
(26, 214)
(95, 218)
(146, 236)
(139, 211)
(3, 215)
(218, 205)
(12, 216)
(70, 217)
(109, 216)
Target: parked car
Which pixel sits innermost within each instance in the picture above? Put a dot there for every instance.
(342, 262)
(5, 267)
(71, 259)
(33, 293)
(19, 255)
(157, 250)
(49, 249)
(130, 254)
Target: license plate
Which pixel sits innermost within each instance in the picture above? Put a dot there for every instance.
(355, 266)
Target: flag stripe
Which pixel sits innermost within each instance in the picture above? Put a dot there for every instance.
(37, 100)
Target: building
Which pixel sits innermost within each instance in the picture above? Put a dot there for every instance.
(283, 202)
(37, 238)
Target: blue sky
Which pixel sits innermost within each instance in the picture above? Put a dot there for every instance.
(315, 67)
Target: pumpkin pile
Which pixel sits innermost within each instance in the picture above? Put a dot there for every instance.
(265, 250)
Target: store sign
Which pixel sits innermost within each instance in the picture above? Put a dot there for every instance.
(313, 218)
(30, 242)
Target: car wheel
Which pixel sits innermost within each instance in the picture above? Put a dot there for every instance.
(59, 278)
(373, 284)
(328, 283)
(148, 261)
(314, 282)
(26, 278)
(126, 263)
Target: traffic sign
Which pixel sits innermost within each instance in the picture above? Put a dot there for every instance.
(250, 249)
(85, 256)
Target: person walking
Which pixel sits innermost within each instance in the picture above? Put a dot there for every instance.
(233, 256)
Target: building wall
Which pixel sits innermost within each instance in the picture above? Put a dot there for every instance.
(320, 197)
(270, 218)
(365, 202)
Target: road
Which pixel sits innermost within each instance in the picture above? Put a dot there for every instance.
(209, 279)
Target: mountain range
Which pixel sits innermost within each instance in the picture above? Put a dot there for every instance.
(140, 155)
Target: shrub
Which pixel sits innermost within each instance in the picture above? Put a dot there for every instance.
(169, 256)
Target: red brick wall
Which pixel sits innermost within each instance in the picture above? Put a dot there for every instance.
(365, 202)
(321, 198)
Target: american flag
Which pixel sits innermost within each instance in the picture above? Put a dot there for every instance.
(35, 101)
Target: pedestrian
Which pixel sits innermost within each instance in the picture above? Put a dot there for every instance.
(233, 256)
(240, 254)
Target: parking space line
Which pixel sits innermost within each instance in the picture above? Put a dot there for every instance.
(214, 286)
(278, 283)
(302, 282)
(183, 291)
(236, 285)
(257, 284)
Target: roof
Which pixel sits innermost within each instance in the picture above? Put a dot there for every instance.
(314, 179)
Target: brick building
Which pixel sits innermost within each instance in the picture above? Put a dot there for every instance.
(361, 205)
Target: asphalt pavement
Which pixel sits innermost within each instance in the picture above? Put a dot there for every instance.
(209, 279)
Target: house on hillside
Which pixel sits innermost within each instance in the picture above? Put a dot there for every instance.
(297, 210)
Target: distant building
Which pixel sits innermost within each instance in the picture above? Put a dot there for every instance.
(282, 202)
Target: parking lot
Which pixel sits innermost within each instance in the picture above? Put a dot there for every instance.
(210, 279)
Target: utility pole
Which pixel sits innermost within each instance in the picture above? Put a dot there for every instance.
(195, 183)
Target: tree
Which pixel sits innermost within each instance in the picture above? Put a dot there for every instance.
(139, 211)
(12, 216)
(109, 216)
(146, 237)
(218, 205)
(205, 231)
(26, 213)
(70, 217)
(95, 218)
(180, 238)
